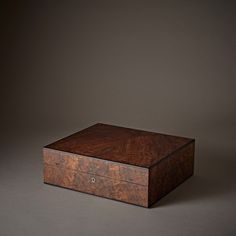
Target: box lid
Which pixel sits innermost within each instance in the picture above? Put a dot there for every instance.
(119, 144)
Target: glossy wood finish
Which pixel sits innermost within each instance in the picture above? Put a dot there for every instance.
(118, 144)
(84, 164)
(95, 176)
(97, 185)
(170, 172)
(133, 166)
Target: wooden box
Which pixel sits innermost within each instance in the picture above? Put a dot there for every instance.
(128, 165)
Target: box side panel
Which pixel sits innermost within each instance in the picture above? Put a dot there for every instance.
(114, 170)
(170, 172)
(100, 178)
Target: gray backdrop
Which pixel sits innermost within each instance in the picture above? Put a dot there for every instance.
(165, 66)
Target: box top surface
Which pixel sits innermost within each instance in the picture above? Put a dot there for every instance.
(119, 144)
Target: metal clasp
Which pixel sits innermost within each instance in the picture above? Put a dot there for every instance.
(93, 180)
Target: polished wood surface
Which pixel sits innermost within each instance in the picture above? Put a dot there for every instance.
(84, 164)
(97, 185)
(119, 144)
(128, 165)
(169, 173)
(108, 179)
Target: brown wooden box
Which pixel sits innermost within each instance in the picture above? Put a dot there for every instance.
(128, 165)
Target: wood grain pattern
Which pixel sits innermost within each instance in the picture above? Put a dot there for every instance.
(95, 166)
(128, 165)
(97, 185)
(170, 172)
(118, 144)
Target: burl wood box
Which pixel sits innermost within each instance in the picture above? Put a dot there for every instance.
(128, 165)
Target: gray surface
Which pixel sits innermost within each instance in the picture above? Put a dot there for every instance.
(161, 66)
